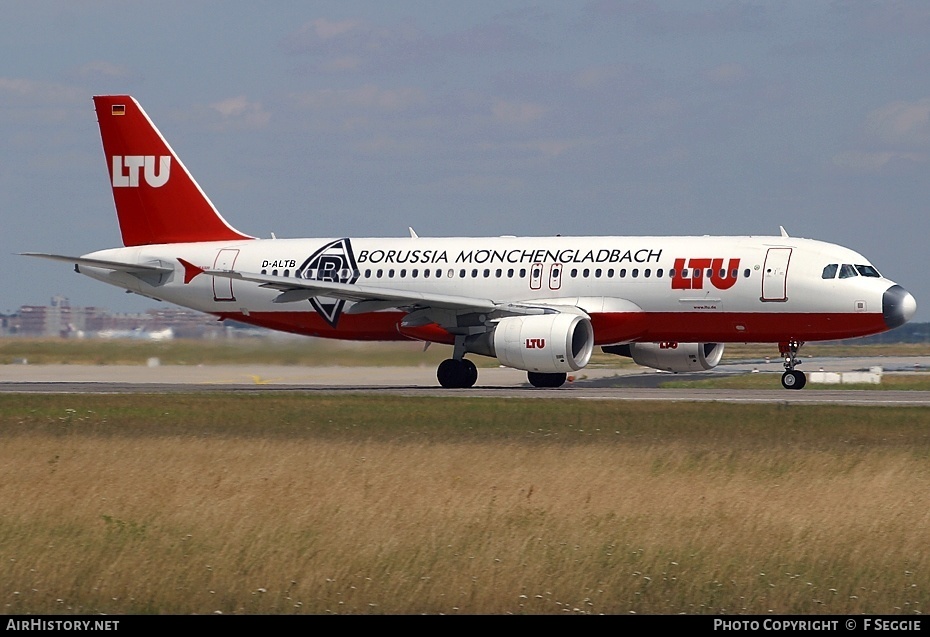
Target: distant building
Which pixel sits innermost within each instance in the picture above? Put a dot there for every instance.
(60, 320)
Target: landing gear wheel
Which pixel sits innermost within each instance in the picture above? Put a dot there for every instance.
(793, 379)
(471, 373)
(457, 373)
(538, 379)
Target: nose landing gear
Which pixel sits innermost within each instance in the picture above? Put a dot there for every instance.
(792, 378)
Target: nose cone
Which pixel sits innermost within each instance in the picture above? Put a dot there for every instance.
(898, 306)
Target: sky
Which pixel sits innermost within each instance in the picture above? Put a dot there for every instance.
(361, 118)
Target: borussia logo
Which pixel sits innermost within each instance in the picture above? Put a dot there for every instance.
(335, 263)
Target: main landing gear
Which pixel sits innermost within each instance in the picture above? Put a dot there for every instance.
(539, 379)
(457, 373)
(792, 378)
(461, 373)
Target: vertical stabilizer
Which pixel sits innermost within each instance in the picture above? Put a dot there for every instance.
(157, 200)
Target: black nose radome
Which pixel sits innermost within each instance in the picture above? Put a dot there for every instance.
(898, 306)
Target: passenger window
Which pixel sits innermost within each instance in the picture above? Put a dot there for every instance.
(829, 272)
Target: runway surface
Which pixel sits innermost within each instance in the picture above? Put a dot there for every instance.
(589, 384)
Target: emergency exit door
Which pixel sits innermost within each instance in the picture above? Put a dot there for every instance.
(223, 287)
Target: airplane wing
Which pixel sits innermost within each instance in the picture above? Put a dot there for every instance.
(131, 268)
(369, 299)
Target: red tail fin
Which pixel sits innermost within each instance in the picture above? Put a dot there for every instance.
(157, 200)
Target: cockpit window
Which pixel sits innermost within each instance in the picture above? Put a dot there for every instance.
(847, 271)
(829, 272)
(867, 270)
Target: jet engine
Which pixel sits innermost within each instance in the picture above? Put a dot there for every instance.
(547, 343)
(671, 357)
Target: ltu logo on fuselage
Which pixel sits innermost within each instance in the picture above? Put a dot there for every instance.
(126, 170)
(720, 277)
(334, 263)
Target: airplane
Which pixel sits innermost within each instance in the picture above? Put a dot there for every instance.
(537, 304)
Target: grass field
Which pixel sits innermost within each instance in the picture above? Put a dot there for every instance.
(274, 503)
(310, 352)
(254, 351)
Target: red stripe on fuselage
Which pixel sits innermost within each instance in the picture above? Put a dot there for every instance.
(691, 327)
(733, 327)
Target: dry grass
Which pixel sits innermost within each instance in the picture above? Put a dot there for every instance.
(311, 351)
(250, 351)
(297, 504)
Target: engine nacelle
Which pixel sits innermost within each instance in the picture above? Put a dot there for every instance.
(547, 343)
(672, 357)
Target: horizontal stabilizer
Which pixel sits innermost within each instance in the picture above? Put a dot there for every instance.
(131, 268)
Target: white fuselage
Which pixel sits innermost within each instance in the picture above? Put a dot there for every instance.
(726, 289)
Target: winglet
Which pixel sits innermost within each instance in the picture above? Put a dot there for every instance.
(784, 232)
(190, 270)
